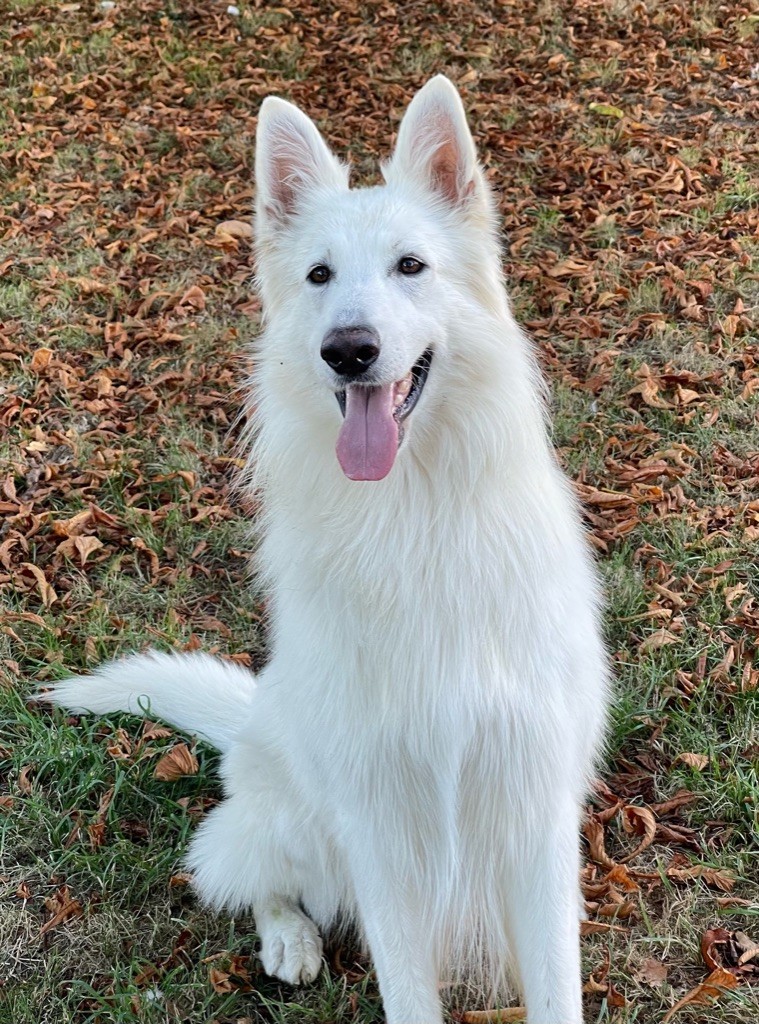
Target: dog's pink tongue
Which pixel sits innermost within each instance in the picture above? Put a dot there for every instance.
(368, 440)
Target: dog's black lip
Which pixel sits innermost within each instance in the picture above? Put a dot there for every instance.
(419, 373)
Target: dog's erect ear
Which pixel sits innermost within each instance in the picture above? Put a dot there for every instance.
(291, 158)
(435, 146)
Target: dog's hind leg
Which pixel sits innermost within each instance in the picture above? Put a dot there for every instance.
(262, 849)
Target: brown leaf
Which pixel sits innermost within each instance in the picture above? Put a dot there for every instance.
(235, 229)
(652, 973)
(614, 997)
(682, 797)
(731, 951)
(62, 907)
(570, 268)
(41, 359)
(659, 638)
(96, 832)
(712, 876)
(638, 821)
(48, 595)
(704, 994)
(24, 783)
(235, 979)
(179, 761)
(696, 761)
(593, 831)
(596, 927)
(195, 297)
(711, 939)
(85, 546)
(180, 880)
(154, 731)
(72, 526)
(220, 981)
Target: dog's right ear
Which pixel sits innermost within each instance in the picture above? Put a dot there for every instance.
(291, 159)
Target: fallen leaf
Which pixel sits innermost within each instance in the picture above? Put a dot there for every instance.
(63, 908)
(638, 821)
(175, 764)
(235, 229)
(180, 880)
(41, 359)
(47, 594)
(712, 876)
(696, 761)
(24, 782)
(235, 979)
(706, 993)
(597, 927)
(606, 110)
(652, 973)
(593, 831)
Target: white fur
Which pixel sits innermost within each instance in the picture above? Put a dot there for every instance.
(415, 755)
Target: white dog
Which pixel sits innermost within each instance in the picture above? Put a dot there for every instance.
(415, 755)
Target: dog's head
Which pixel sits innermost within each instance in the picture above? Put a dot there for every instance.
(364, 285)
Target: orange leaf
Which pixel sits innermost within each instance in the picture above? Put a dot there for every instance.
(40, 359)
(179, 761)
(593, 831)
(705, 993)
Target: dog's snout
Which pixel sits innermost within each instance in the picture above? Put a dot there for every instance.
(350, 351)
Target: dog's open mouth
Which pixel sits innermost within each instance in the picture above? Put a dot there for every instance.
(372, 428)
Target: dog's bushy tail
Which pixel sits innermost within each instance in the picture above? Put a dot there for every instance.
(195, 692)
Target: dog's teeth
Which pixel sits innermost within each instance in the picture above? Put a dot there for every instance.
(402, 389)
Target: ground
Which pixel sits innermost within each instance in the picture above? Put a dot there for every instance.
(621, 138)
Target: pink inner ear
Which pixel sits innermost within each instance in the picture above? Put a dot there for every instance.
(283, 175)
(289, 170)
(445, 162)
(444, 171)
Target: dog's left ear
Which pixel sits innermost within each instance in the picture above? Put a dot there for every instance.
(435, 146)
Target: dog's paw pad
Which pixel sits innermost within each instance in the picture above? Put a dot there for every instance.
(291, 948)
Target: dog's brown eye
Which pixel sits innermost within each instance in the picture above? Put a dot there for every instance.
(320, 274)
(410, 265)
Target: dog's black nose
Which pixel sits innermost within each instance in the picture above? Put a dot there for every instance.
(350, 351)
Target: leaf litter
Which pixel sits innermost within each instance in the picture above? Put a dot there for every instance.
(621, 146)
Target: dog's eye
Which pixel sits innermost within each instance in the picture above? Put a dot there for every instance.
(410, 265)
(320, 274)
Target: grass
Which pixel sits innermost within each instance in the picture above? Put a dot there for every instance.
(146, 148)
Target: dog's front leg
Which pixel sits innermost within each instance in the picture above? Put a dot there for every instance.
(401, 944)
(542, 892)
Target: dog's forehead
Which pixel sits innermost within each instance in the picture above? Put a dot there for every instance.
(374, 219)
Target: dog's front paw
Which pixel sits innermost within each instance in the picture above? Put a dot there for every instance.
(291, 947)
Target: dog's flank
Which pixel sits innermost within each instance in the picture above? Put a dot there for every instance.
(415, 755)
